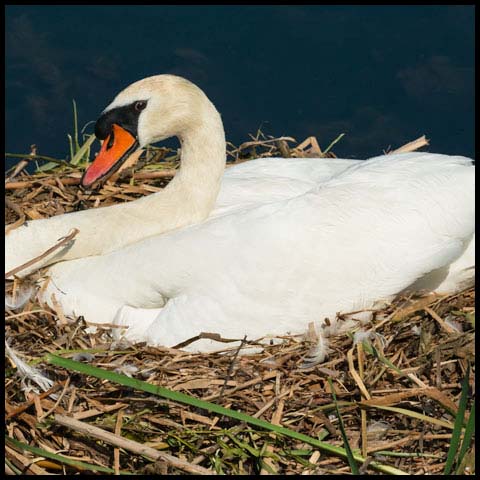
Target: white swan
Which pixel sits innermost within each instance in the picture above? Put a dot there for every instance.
(338, 240)
(148, 111)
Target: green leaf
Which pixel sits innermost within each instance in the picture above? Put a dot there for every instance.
(467, 438)
(211, 407)
(369, 348)
(75, 126)
(413, 414)
(351, 460)
(60, 458)
(334, 142)
(83, 151)
(70, 146)
(253, 451)
(457, 428)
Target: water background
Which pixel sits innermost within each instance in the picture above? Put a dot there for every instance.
(383, 75)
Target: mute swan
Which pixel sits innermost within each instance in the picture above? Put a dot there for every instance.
(364, 232)
(145, 112)
(148, 111)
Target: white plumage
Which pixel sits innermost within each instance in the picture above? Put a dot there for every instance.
(289, 242)
(365, 235)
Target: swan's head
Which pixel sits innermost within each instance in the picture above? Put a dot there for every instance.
(147, 111)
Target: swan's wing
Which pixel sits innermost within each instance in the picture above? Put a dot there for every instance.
(244, 186)
(316, 170)
(362, 236)
(372, 230)
(267, 180)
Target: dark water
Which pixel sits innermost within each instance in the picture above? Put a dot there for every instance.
(383, 75)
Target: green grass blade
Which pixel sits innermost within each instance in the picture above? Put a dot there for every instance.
(467, 438)
(70, 146)
(334, 142)
(15, 470)
(457, 428)
(351, 460)
(265, 466)
(46, 167)
(83, 151)
(417, 415)
(211, 407)
(243, 445)
(369, 348)
(75, 126)
(387, 453)
(60, 458)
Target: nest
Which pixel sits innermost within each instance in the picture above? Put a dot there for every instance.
(398, 395)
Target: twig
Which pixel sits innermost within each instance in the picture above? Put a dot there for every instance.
(254, 381)
(440, 320)
(116, 451)
(167, 173)
(43, 181)
(62, 242)
(18, 211)
(28, 404)
(14, 207)
(27, 465)
(14, 225)
(34, 156)
(211, 336)
(130, 445)
(232, 364)
(276, 420)
(282, 145)
(57, 403)
(310, 145)
(363, 412)
(356, 376)
(22, 163)
(262, 142)
(412, 146)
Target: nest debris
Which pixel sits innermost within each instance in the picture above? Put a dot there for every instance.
(429, 341)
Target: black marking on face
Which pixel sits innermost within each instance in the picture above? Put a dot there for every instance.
(126, 117)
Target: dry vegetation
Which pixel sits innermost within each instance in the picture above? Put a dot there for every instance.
(398, 396)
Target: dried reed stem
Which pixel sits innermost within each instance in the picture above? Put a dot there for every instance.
(130, 445)
(62, 242)
(412, 146)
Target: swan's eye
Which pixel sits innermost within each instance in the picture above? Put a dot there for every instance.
(139, 106)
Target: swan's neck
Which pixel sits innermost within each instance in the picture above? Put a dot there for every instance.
(188, 199)
(191, 195)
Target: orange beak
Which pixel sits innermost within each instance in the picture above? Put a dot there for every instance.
(116, 148)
